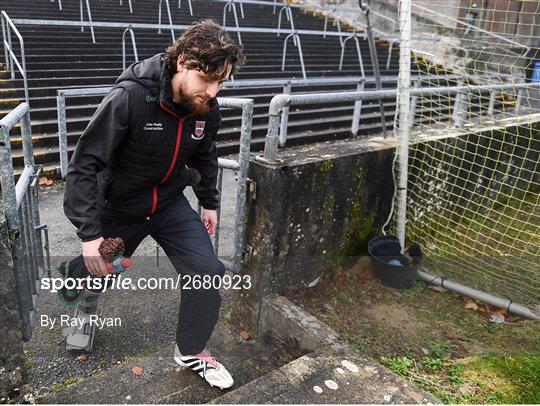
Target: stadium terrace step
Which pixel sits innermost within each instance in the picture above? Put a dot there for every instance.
(163, 381)
(328, 376)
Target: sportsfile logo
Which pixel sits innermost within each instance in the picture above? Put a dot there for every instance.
(153, 127)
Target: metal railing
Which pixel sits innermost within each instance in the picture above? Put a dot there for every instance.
(10, 57)
(297, 42)
(170, 18)
(289, 15)
(230, 6)
(130, 6)
(89, 14)
(246, 105)
(60, 4)
(284, 100)
(295, 34)
(21, 208)
(190, 7)
(133, 44)
(287, 85)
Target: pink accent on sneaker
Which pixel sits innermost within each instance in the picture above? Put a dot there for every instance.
(205, 356)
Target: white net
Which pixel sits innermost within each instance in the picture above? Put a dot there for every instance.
(474, 173)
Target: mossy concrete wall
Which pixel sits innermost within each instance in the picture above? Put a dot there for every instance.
(12, 368)
(321, 204)
(310, 213)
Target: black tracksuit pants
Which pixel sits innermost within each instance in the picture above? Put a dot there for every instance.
(180, 231)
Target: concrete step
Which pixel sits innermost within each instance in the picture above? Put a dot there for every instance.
(163, 381)
(328, 376)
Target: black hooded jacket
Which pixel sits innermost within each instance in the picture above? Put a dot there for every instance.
(130, 161)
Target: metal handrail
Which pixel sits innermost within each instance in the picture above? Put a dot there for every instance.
(60, 4)
(20, 203)
(358, 51)
(134, 45)
(280, 101)
(189, 4)
(231, 6)
(296, 39)
(336, 24)
(89, 13)
(246, 105)
(288, 14)
(159, 19)
(25, 21)
(130, 6)
(10, 56)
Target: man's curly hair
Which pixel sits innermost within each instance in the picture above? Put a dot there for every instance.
(205, 45)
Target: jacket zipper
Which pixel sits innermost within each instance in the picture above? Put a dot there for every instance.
(175, 157)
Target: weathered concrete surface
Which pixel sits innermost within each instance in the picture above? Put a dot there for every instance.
(341, 373)
(12, 368)
(283, 319)
(163, 381)
(310, 212)
(329, 377)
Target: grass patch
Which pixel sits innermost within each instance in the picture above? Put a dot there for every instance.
(430, 339)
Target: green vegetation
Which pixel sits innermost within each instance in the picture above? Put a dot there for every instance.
(431, 339)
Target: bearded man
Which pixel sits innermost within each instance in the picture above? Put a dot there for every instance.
(126, 177)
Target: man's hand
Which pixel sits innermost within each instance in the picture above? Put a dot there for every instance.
(92, 259)
(209, 218)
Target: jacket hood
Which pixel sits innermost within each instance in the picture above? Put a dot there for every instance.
(152, 74)
(146, 72)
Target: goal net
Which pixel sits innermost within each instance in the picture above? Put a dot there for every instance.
(473, 194)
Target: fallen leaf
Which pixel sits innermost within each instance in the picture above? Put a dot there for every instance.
(484, 308)
(244, 335)
(471, 305)
(137, 371)
(45, 181)
(82, 357)
(497, 318)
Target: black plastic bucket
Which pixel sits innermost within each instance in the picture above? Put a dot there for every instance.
(390, 266)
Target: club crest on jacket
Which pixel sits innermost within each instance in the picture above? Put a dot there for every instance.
(199, 130)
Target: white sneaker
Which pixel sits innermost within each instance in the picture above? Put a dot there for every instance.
(206, 366)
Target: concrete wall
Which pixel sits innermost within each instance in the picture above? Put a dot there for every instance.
(12, 368)
(319, 207)
(310, 214)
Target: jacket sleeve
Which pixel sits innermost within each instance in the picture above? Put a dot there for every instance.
(106, 130)
(205, 160)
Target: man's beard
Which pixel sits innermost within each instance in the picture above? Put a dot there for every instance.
(194, 104)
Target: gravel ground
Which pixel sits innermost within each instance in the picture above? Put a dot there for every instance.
(148, 318)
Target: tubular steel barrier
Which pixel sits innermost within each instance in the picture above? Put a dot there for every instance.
(230, 6)
(60, 4)
(89, 14)
(246, 105)
(170, 18)
(133, 44)
(286, 83)
(296, 41)
(21, 208)
(9, 55)
(284, 100)
(130, 6)
(190, 7)
(288, 14)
